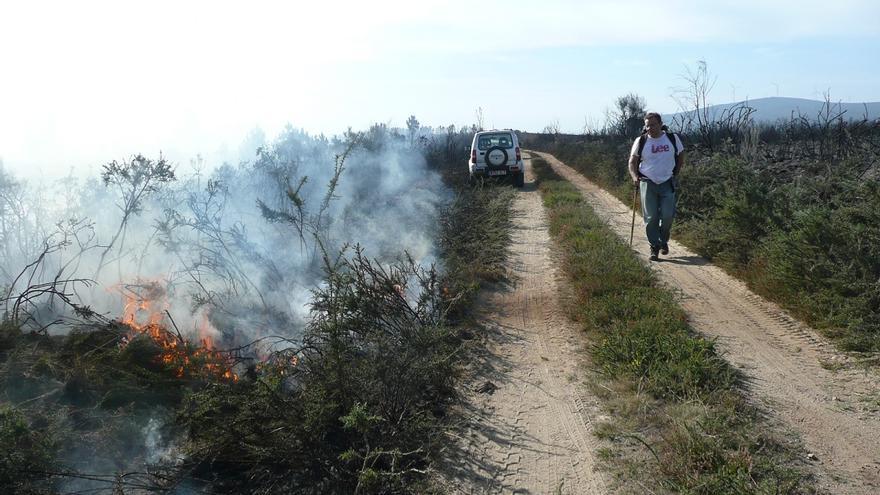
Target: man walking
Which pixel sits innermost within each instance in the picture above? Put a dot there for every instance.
(655, 160)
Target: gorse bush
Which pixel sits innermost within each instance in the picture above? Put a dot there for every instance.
(355, 410)
(723, 209)
(828, 260)
(78, 400)
(806, 239)
(355, 407)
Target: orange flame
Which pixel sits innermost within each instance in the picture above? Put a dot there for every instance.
(145, 313)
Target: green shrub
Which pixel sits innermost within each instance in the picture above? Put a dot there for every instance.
(27, 455)
(828, 262)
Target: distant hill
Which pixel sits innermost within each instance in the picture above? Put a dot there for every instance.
(775, 108)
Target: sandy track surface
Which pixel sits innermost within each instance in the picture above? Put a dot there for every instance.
(528, 419)
(789, 366)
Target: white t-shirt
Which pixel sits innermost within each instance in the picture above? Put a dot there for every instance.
(658, 157)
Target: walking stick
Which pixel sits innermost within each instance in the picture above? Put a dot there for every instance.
(633, 227)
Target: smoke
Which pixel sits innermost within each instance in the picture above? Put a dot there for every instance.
(158, 447)
(227, 253)
(236, 248)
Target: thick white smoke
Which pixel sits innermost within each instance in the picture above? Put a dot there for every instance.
(203, 243)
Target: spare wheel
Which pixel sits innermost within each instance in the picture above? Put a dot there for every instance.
(496, 156)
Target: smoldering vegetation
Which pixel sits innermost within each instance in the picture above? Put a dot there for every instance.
(274, 326)
(239, 245)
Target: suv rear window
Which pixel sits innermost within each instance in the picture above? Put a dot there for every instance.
(487, 141)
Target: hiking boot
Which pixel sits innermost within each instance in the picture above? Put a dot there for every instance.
(655, 254)
(664, 249)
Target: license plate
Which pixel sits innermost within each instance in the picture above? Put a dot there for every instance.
(498, 172)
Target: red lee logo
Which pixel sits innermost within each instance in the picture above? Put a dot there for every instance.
(659, 148)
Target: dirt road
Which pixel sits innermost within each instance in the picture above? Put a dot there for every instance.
(795, 374)
(527, 426)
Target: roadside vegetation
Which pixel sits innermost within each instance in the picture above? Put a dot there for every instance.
(680, 422)
(792, 208)
(353, 402)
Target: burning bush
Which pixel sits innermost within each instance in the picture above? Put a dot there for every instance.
(353, 405)
(355, 411)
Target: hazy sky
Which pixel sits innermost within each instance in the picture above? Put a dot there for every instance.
(86, 82)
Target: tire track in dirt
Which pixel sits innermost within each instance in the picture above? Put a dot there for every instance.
(790, 367)
(533, 433)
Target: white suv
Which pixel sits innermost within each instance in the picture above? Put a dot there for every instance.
(496, 153)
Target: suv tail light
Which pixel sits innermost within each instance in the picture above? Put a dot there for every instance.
(474, 155)
(518, 155)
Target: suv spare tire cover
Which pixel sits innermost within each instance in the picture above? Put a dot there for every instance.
(496, 156)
